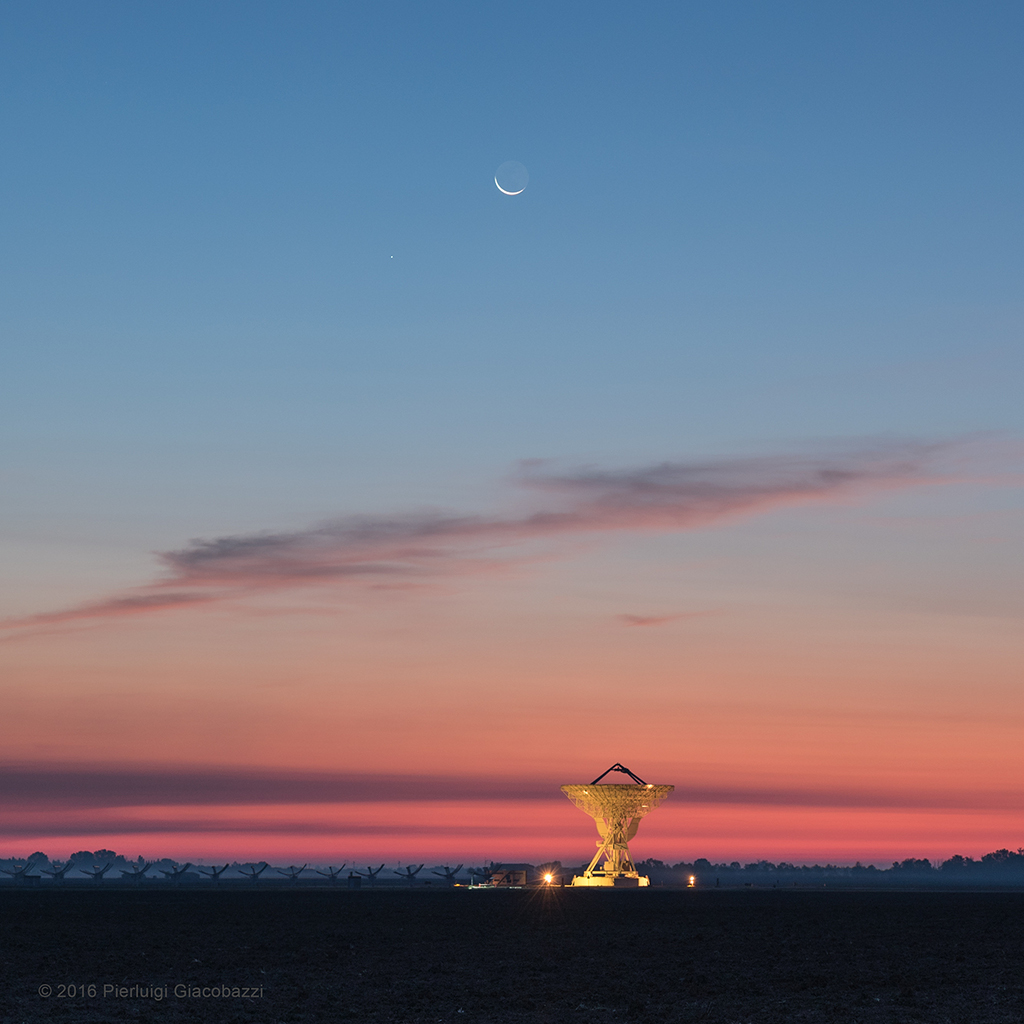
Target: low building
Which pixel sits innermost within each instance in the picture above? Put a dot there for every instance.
(511, 874)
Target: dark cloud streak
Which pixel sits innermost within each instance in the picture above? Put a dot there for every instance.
(662, 620)
(91, 786)
(79, 787)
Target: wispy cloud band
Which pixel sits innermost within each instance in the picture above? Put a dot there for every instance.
(406, 550)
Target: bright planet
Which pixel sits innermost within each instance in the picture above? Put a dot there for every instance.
(511, 178)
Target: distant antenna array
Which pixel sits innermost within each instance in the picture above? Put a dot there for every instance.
(410, 873)
(58, 870)
(214, 873)
(175, 874)
(447, 873)
(98, 872)
(138, 872)
(20, 874)
(371, 874)
(331, 873)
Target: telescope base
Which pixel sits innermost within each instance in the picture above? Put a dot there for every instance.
(612, 881)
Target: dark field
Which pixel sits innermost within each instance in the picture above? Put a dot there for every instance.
(523, 956)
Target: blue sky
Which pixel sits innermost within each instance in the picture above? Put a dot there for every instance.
(745, 221)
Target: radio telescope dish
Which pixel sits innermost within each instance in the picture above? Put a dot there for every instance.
(616, 809)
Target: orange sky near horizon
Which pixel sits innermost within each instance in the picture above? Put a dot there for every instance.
(806, 704)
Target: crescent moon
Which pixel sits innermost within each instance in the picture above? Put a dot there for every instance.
(500, 189)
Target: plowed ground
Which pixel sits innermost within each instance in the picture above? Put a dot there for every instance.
(561, 955)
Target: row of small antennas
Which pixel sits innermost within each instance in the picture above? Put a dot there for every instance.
(251, 871)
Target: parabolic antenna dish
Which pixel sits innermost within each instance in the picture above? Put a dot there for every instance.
(616, 802)
(511, 178)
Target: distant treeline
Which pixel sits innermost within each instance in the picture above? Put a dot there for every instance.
(1000, 866)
